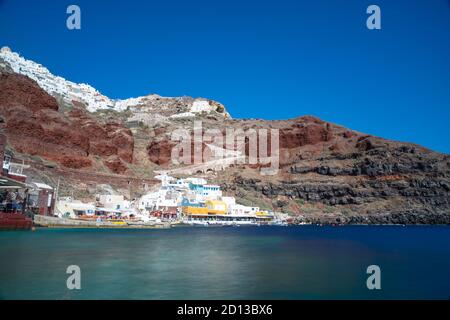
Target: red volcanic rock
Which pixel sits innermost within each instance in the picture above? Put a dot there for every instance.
(105, 139)
(122, 139)
(75, 162)
(160, 152)
(102, 148)
(116, 165)
(34, 126)
(302, 134)
(292, 134)
(17, 90)
(35, 134)
(349, 134)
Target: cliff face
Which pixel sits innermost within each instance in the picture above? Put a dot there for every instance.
(327, 173)
(34, 125)
(334, 175)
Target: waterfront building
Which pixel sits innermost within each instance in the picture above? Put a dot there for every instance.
(187, 202)
(216, 206)
(239, 209)
(230, 201)
(113, 201)
(108, 212)
(205, 192)
(42, 197)
(167, 213)
(164, 199)
(199, 203)
(69, 208)
(149, 200)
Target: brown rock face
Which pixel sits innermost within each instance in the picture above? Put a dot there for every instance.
(295, 135)
(159, 152)
(75, 162)
(20, 90)
(299, 135)
(105, 139)
(115, 164)
(35, 126)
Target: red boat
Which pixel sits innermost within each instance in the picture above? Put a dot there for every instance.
(15, 221)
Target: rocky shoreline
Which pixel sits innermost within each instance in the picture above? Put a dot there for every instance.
(55, 222)
(396, 218)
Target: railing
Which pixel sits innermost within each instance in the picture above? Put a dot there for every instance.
(17, 168)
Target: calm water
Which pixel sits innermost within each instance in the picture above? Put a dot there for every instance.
(227, 263)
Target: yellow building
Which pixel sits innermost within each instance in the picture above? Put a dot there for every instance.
(211, 207)
(195, 210)
(216, 206)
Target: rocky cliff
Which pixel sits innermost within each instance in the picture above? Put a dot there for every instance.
(327, 173)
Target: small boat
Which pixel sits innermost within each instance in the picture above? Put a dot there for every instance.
(118, 222)
(278, 223)
(196, 223)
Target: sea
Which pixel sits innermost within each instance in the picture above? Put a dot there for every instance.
(267, 262)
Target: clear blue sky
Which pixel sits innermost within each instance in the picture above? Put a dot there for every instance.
(263, 59)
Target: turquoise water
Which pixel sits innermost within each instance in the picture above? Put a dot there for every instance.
(306, 262)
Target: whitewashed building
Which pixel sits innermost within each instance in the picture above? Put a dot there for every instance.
(230, 201)
(163, 198)
(68, 208)
(239, 209)
(110, 201)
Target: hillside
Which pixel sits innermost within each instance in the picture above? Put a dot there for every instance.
(327, 173)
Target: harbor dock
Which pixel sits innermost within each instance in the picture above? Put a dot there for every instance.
(55, 222)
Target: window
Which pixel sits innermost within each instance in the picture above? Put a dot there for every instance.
(6, 161)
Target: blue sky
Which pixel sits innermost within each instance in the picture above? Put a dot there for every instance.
(262, 59)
